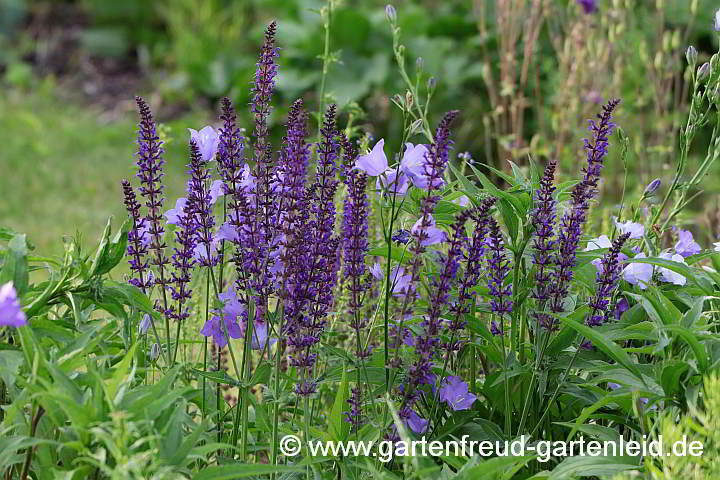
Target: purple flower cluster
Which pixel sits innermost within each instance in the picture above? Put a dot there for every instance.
(150, 172)
(138, 239)
(199, 206)
(573, 221)
(607, 279)
(543, 221)
(356, 209)
(315, 272)
(499, 267)
(474, 251)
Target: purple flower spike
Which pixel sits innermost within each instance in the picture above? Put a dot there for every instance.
(607, 281)
(573, 221)
(354, 417)
(138, 240)
(207, 140)
(199, 207)
(543, 220)
(686, 245)
(11, 313)
(401, 236)
(456, 393)
(183, 261)
(150, 172)
(355, 242)
(499, 267)
(474, 250)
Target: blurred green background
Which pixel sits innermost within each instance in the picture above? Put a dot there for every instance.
(526, 75)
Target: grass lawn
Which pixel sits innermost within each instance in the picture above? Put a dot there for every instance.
(61, 166)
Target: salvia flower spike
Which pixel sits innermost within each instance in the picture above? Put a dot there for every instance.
(573, 221)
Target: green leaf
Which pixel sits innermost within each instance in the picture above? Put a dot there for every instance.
(15, 268)
(697, 347)
(608, 347)
(10, 361)
(110, 253)
(242, 470)
(261, 375)
(119, 376)
(587, 466)
(495, 468)
(398, 254)
(339, 428)
(672, 372)
(218, 377)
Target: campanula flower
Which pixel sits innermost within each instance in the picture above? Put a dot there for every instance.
(433, 234)
(638, 274)
(214, 328)
(374, 163)
(456, 393)
(173, 215)
(260, 336)
(217, 190)
(401, 281)
(207, 140)
(621, 307)
(686, 244)
(669, 276)
(636, 230)
(11, 313)
(716, 26)
(413, 165)
(377, 271)
(717, 246)
(416, 423)
(227, 232)
(603, 241)
(392, 181)
(463, 201)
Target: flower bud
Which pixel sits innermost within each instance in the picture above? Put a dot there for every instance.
(390, 13)
(691, 55)
(144, 324)
(408, 99)
(154, 351)
(419, 64)
(432, 83)
(703, 71)
(652, 188)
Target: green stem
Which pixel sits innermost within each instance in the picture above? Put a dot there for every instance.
(505, 380)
